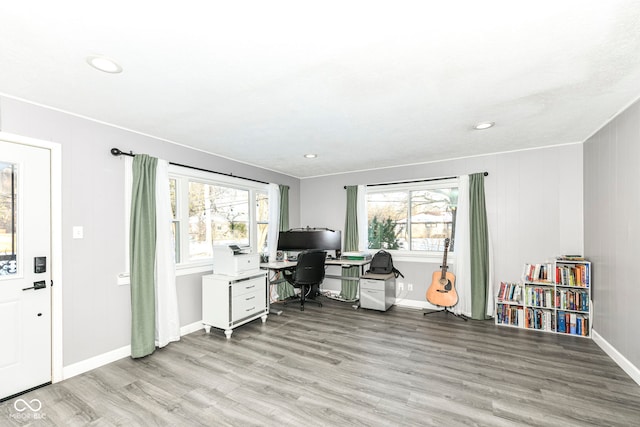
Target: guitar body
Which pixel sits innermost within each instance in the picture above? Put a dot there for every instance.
(442, 291)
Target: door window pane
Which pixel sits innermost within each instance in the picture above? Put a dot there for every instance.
(8, 219)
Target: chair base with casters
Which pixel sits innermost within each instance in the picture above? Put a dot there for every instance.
(446, 312)
(308, 272)
(305, 290)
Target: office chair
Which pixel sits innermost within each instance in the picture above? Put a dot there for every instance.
(309, 272)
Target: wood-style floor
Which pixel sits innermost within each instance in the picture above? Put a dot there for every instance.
(334, 366)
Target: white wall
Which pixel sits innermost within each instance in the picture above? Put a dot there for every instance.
(96, 311)
(612, 234)
(534, 207)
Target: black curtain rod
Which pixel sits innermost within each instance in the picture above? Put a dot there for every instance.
(418, 180)
(118, 152)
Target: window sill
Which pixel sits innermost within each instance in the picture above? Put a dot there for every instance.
(181, 270)
(426, 258)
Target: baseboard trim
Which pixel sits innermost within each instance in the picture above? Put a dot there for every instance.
(408, 303)
(420, 305)
(617, 357)
(114, 355)
(95, 362)
(193, 327)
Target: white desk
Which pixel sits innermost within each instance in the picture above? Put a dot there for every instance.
(344, 263)
(278, 265)
(284, 265)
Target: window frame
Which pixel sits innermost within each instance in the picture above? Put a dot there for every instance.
(412, 255)
(257, 221)
(183, 176)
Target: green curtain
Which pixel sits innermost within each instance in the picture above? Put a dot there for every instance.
(142, 249)
(349, 288)
(285, 290)
(284, 207)
(479, 242)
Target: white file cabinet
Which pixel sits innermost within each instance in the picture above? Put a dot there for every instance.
(231, 301)
(377, 291)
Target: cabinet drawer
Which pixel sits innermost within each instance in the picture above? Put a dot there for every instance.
(372, 298)
(248, 286)
(248, 304)
(372, 284)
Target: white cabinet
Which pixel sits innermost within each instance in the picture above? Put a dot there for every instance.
(231, 301)
(377, 291)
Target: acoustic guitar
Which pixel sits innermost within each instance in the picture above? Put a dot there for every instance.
(442, 291)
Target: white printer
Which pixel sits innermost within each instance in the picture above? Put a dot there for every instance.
(232, 261)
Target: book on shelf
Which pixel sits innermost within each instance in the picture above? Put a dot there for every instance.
(578, 325)
(536, 318)
(569, 299)
(570, 258)
(538, 273)
(583, 322)
(562, 324)
(520, 317)
(510, 292)
(539, 297)
(572, 275)
(572, 323)
(510, 315)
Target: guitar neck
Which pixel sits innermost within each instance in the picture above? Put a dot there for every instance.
(444, 259)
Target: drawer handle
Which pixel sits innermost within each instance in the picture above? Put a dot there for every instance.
(250, 309)
(250, 298)
(249, 287)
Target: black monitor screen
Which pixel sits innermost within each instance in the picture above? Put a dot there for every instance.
(299, 240)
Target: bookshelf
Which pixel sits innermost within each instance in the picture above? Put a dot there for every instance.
(552, 297)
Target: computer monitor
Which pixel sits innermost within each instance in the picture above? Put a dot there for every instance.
(299, 240)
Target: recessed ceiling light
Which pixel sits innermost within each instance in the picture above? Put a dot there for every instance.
(105, 64)
(310, 156)
(484, 125)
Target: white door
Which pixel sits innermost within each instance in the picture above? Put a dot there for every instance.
(25, 267)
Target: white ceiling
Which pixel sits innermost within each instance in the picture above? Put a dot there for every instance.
(362, 84)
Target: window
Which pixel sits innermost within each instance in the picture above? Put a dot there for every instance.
(262, 220)
(8, 219)
(175, 225)
(412, 217)
(214, 210)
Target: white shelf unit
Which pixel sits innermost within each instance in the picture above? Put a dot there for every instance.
(509, 306)
(553, 297)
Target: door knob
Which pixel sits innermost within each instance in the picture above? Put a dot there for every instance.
(37, 285)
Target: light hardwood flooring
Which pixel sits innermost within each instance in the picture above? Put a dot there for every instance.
(334, 366)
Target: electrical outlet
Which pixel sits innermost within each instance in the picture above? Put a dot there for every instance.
(78, 232)
(400, 286)
(410, 287)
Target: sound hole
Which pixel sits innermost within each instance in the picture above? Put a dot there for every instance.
(446, 284)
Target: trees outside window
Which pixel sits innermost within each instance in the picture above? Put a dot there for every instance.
(209, 212)
(412, 217)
